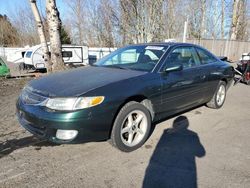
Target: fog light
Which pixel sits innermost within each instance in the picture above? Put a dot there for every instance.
(66, 134)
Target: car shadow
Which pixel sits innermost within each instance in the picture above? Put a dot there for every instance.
(173, 161)
(8, 146)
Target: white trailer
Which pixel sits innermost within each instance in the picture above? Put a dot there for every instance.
(14, 55)
(72, 54)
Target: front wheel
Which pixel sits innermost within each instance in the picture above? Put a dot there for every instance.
(131, 127)
(219, 97)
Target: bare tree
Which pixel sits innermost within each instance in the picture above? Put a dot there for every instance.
(141, 20)
(174, 17)
(8, 33)
(203, 18)
(23, 20)
(222, 18)
(77, 19)
(54, 23)
(239, 23)
(40, 29)
(104, 23)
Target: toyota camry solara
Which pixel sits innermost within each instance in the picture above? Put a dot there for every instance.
(122, 94)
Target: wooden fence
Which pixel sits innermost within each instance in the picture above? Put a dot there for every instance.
(229, 48)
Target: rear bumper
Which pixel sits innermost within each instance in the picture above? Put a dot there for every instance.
(44, 124)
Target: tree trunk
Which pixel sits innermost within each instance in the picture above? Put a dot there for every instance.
(234, 20)
(203, 19)
(54, 23)
(40, 30)
(222, 18)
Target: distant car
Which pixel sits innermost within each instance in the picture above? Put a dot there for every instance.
(4, 70)
(243, 69)
(123, 93)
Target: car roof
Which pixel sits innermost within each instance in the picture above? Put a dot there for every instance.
(164, 44)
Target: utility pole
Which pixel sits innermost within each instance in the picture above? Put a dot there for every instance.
(185, 31)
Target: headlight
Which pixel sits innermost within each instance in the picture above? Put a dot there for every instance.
(67, 104)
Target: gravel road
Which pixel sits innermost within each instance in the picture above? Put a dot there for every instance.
(202, 147)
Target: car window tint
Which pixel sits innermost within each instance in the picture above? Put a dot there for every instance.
(126, 57)
(185, 56)
(152, 55)
(205, 57)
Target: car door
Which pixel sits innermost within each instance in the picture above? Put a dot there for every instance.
(210, 68)
(181, 89)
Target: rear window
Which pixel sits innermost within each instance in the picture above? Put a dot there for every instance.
(205, 57)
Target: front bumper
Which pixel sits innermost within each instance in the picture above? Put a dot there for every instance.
(94, 125)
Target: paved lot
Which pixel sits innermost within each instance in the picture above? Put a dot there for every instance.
(203, 147)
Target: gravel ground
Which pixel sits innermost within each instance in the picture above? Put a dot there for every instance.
(202, 147)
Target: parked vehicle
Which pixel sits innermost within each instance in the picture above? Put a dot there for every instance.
(4, 70)
(76, 55)
(122, 94)
(243, 69)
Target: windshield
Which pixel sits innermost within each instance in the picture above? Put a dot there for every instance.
(142, 58)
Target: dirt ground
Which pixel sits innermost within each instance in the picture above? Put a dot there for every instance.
(211, 149)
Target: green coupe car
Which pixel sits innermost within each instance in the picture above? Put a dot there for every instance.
(119, 96)
(4, 70)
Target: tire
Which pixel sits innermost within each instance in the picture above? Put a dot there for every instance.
(131, 127)
(219, 96)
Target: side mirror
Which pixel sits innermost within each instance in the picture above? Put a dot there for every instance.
(173, 67)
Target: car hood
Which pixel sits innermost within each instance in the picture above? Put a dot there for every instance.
(79, 81)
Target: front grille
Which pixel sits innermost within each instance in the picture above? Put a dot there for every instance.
(29, 97)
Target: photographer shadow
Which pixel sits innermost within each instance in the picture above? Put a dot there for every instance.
(173, 161)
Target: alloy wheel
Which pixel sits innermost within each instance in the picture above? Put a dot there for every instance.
(134, 128)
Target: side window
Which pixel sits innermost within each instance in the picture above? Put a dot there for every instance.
(205, 57)
(186, 56)
(67, 54)
(28, 54)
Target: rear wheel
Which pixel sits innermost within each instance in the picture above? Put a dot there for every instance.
(219, 97)
(131, 127)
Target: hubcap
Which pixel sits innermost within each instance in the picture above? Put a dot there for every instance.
(221, 95)
(134, 128)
